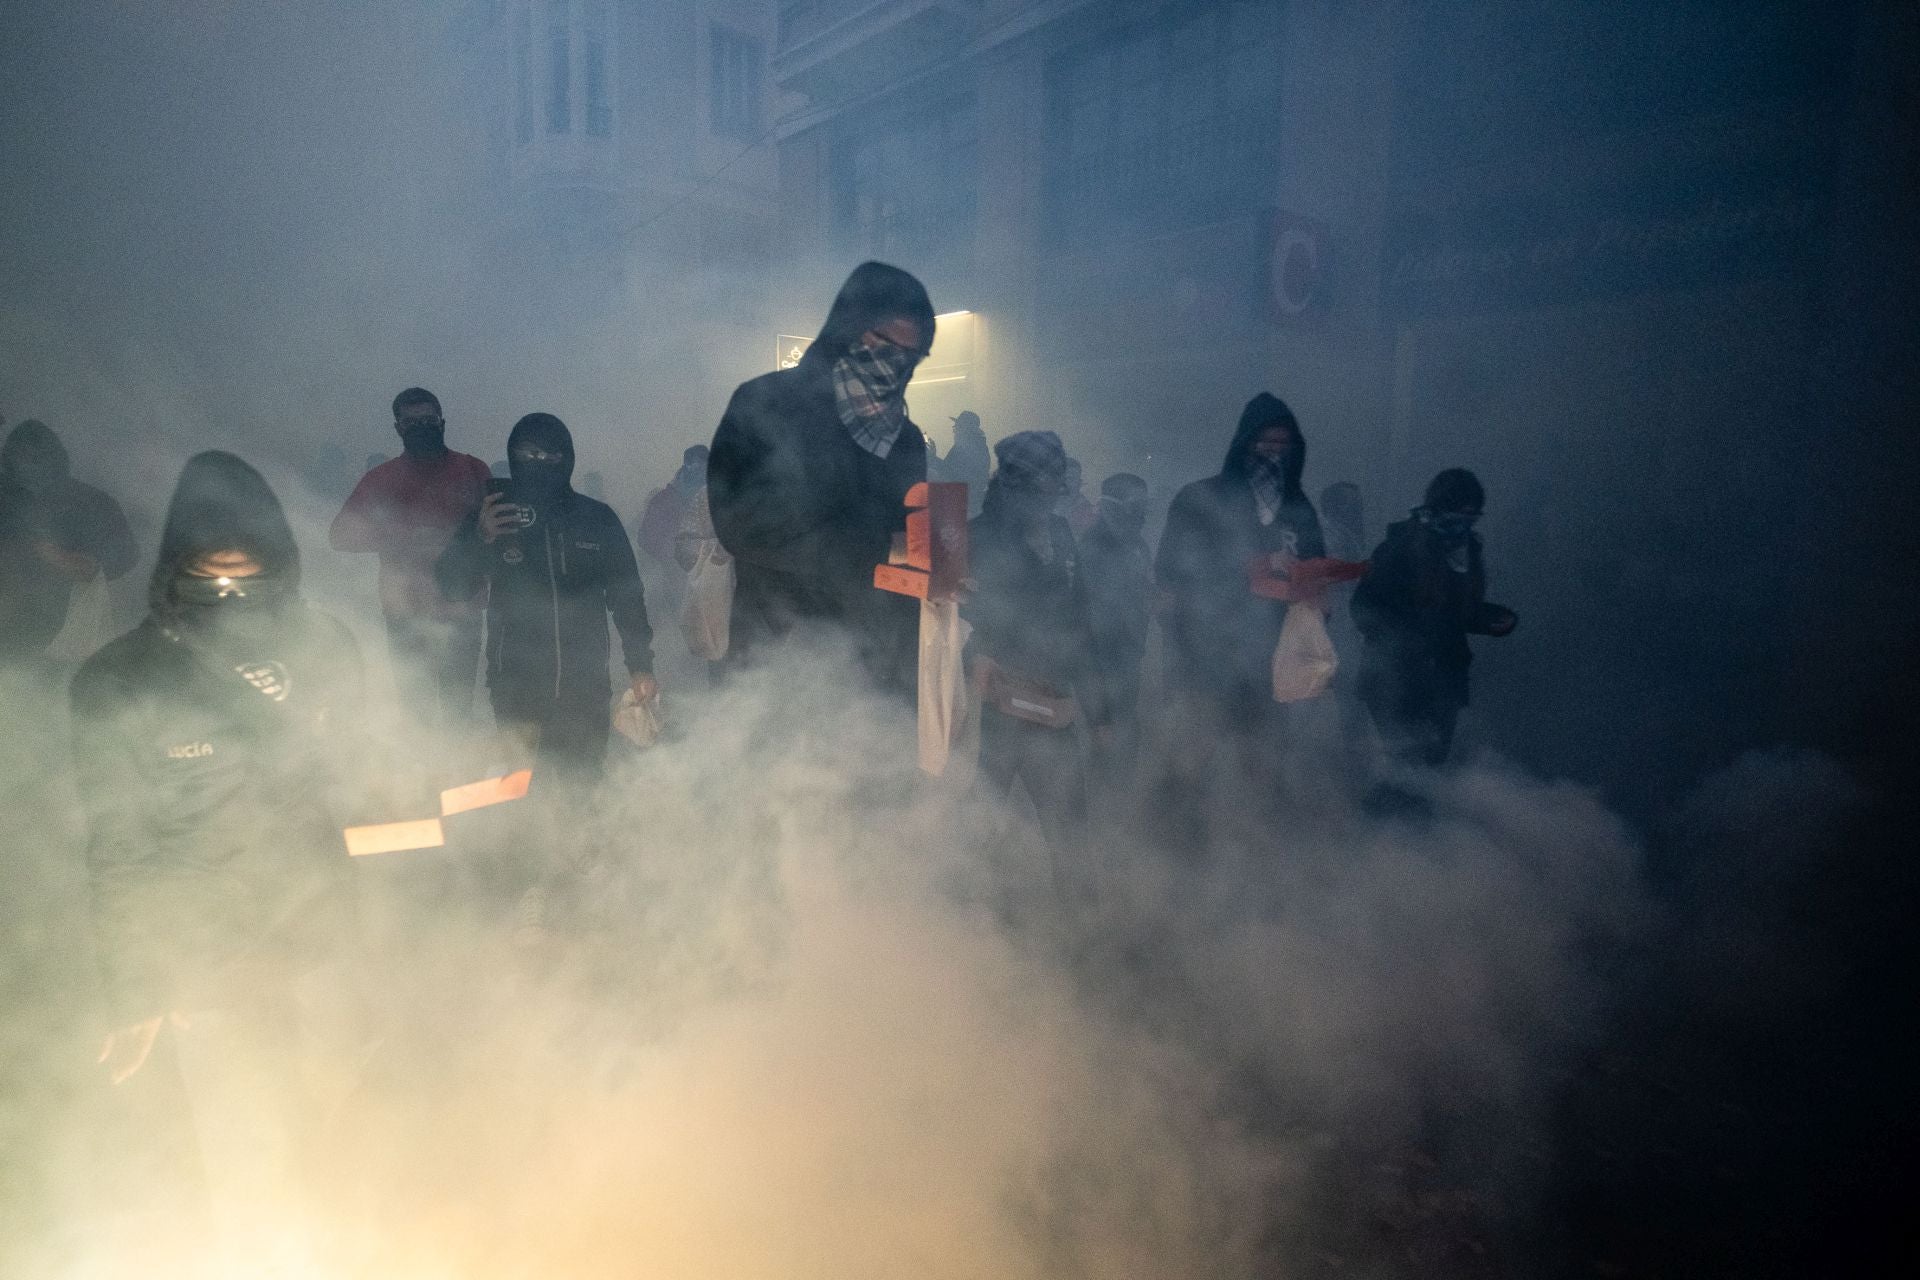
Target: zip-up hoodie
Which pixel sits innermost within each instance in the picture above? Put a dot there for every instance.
(212, 761)
(551, 586)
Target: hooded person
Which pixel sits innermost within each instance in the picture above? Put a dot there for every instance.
(1219, 635)
(1424, 595)
(57, 537)
(215, 757)
(1031, 650)
(808, 479)
(555, 566)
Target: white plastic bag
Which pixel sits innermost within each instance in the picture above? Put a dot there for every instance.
(636, 719)
(943, 681)
(1304, 660)
(706, 612)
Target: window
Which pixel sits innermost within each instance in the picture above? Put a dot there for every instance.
(559, 72)
(1165, 124)
(599, 104)
(733, 83)
(523, 77)
(911, 189)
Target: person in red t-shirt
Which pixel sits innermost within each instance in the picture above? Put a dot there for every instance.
(406, 510)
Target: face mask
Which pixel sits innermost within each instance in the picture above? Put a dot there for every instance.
(423, 437)
(1451, 526)
(1127, 517)
(233, 613)
(885, 367)
(539, 474)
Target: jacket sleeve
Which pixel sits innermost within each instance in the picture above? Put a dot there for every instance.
(1384, 600)
(461, 570)
(1181, 557)
(757, 493)
(129, 892)
(1093, 669)
(364, 522)
(106, 536)
(627, 600)
(988, 608)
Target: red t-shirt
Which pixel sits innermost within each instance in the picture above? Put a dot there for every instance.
(406, 511)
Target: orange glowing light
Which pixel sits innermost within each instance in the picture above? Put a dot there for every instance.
(395, 837)
(478, 795)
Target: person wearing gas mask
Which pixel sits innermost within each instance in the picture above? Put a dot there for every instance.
(405, 511)
(808, 477)
(215, 754)
(1425, 594)
(554, 566)
(1220, 636)
(1031, 651)
(1118, 567)
(58, 538)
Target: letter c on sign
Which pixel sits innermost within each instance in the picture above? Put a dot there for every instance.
(1296, 270)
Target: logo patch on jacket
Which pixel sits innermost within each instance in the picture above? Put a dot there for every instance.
(189, 750)
(269, 678)
(512, 555)
(587, 546)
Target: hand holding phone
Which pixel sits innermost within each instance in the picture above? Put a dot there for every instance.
(498, 516)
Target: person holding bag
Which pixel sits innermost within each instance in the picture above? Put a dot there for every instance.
(1031, 651)
(1224, 535)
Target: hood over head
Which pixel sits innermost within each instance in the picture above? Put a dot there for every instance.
(33, 450)
(1263, 411)
(222, 504)
(1455, 489)
(549, 434)
(874, 294)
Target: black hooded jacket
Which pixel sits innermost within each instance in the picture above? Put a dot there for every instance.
(1415, 613)
(804, 510)
(1220, 637)
(40, 502)
(1029, 615)
(551, 587)
(216, 763)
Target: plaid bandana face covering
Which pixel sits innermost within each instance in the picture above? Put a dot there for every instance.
(869, 390)
(1269, 489)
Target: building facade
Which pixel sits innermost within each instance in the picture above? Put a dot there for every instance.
(623, 174)
(1581, 248)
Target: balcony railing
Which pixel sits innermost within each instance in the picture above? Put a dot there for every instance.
(823, 45)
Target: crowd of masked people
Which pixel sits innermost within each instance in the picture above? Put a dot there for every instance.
(214, 741)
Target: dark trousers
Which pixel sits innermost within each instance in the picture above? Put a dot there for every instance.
(433, 669)
(1414, 709)
(568, 739)
(1050, 764)
(1116, 750)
